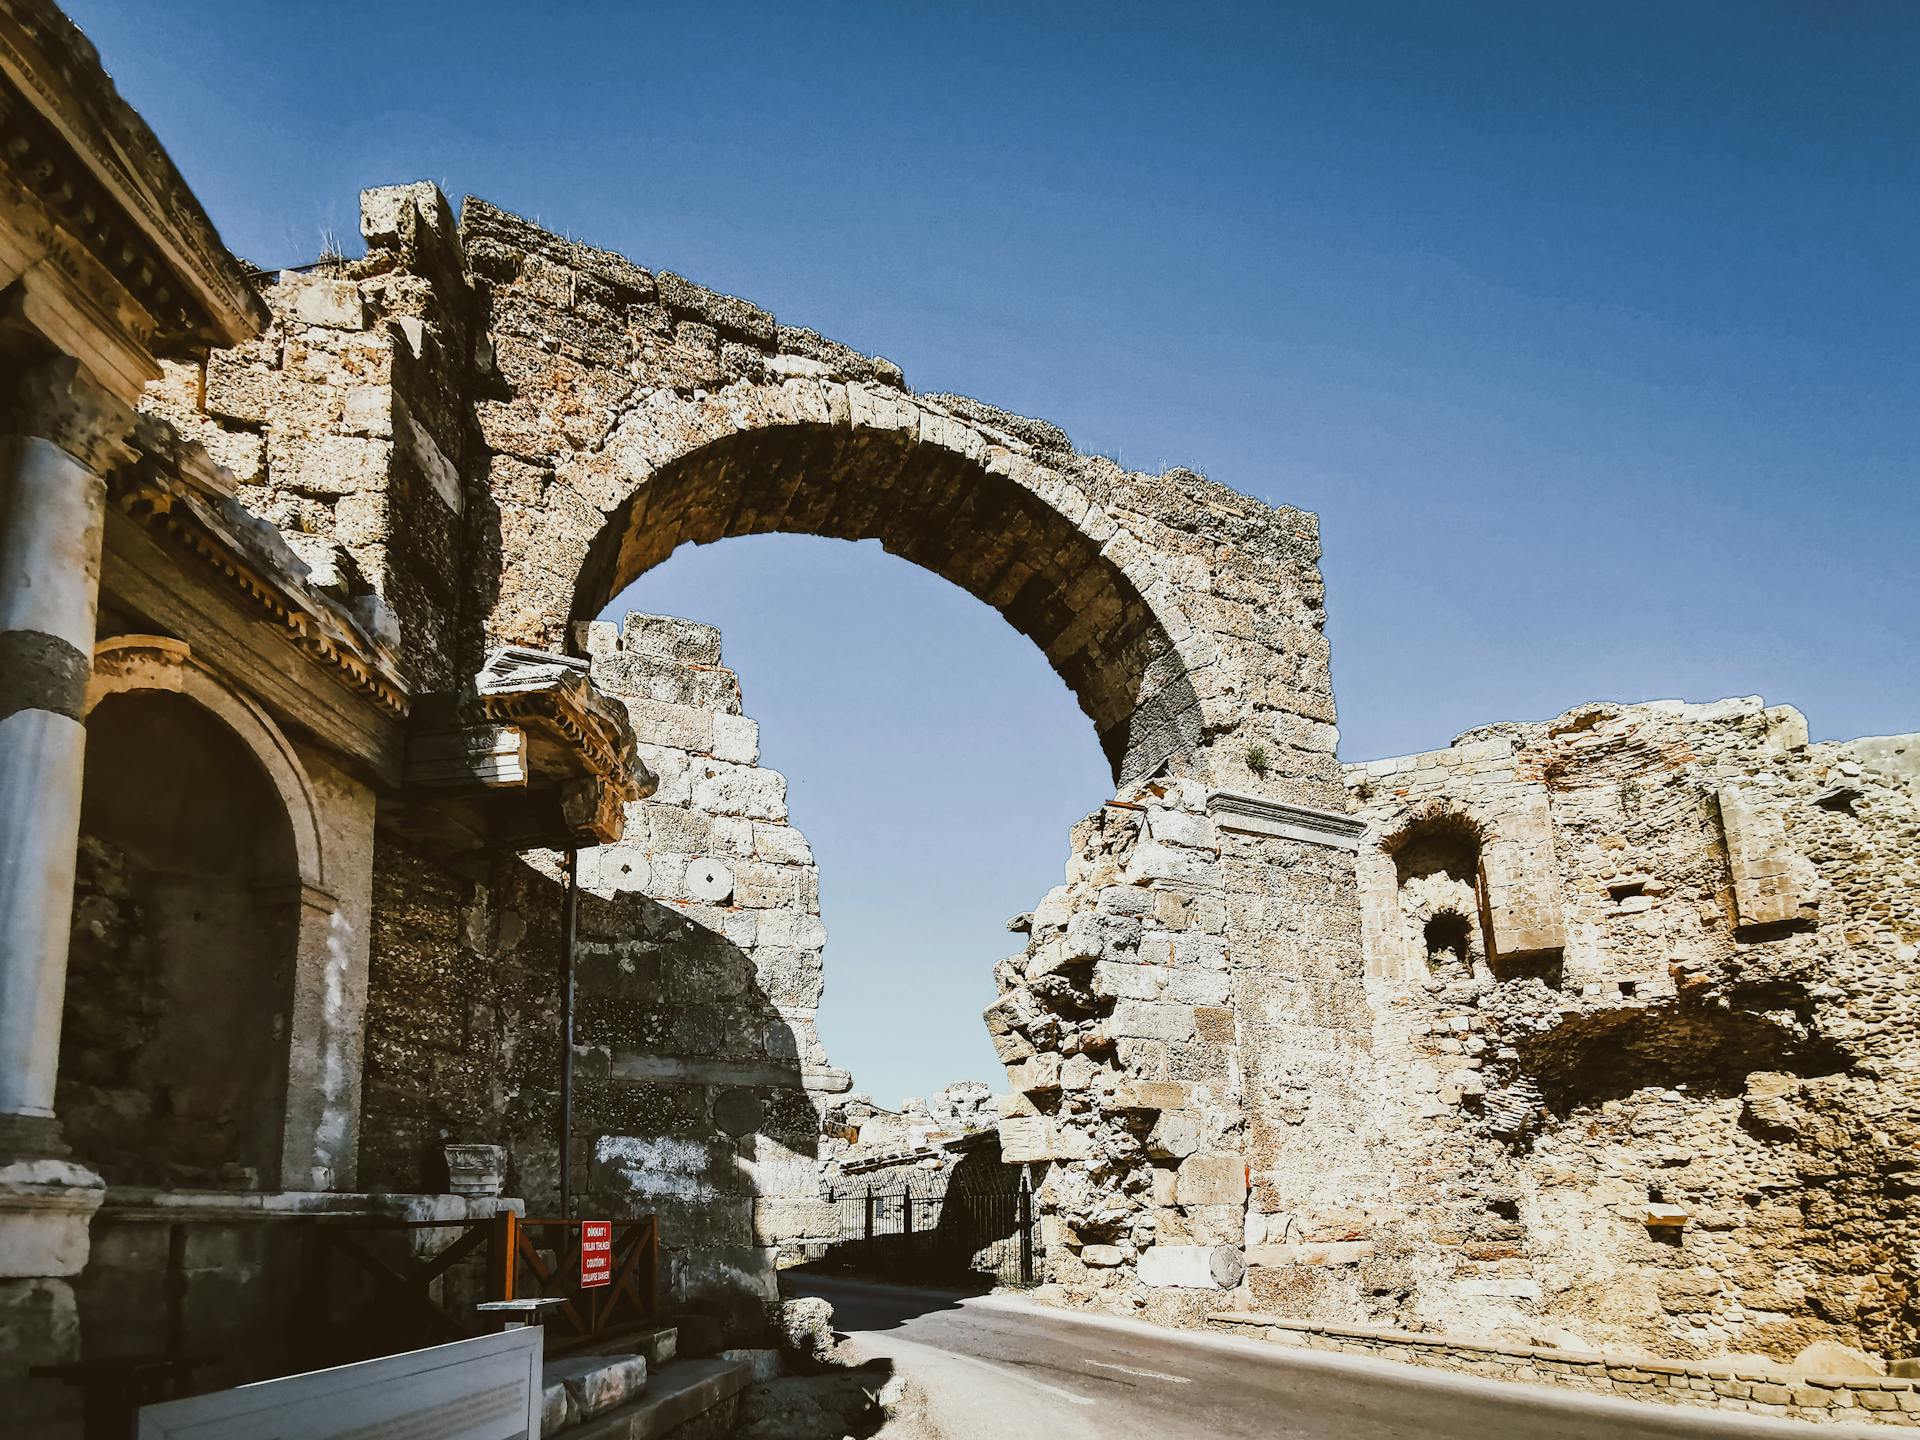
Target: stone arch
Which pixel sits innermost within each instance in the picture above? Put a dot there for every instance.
(852, 462)
(1435, 852)
(316, 1138)
(127, 664)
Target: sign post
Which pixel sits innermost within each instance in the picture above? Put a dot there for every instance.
(596, 1253)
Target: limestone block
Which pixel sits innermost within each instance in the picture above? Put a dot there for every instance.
(328, 464)
(1102, 1257)
(736, 738)
(1175, 1135)
(1068, 1142)
(1026, 1138)
(1038, 1076)
(777, 1221)
(1013, 1105)
(1076, 1072)
(681, 726)
(597, 1383)
(723, 789)
(46, 1206)
(1091, 935)
(761, 886)
(1331, 1252)
(1179, 827)
(1152, 860)
(780, 844)
(667, 637)
(238, 388)
(1211, 1179)
(1047, 959)
(1052, 911)
(335, 304)
(1524, 907)
(1156, 1094)
(1771, 881)
(1208, 952)
(1146, 1020)
(1116, 980)
(1199, 987)
(1195, 1267)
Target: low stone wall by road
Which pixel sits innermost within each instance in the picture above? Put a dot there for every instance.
(1723, 1385)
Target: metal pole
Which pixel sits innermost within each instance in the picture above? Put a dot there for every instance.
(1026, 1231)
(566, 1034)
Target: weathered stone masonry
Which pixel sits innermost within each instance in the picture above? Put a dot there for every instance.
(1689, 1124)
(1325, 1044)
(1206, 1053)
(616, 413)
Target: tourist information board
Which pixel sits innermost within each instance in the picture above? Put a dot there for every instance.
(484, 1389)
(596, 1253)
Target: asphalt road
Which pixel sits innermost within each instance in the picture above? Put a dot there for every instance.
(994, 1368)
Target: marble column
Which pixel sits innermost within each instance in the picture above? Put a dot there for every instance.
(58, 439)
(52, 514)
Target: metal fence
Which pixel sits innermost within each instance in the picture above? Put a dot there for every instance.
(965, 1224)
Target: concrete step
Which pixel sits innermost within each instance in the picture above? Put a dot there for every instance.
(659, 1344)
(576, 1388)
(678, 1394)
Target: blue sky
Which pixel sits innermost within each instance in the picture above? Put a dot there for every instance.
(1588, 331)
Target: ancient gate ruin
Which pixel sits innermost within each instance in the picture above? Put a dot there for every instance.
(1586, 1032)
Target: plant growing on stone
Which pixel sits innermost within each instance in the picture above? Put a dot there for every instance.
(1257, 760)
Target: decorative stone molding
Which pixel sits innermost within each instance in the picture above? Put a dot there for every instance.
(247, 555)
(113, 185)
(1254, 815)
(534, 719)
(554, 699)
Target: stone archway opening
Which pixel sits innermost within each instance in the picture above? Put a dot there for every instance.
(942, 510)
(173, 1057)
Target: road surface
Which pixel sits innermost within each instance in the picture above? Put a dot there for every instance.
(1000, 1368)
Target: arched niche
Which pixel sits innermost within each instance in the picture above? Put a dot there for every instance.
(200, 1047)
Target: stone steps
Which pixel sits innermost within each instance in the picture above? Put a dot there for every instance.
(584, 1384)
(686, 1398)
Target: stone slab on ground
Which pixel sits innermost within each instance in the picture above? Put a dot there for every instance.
(686, 1400)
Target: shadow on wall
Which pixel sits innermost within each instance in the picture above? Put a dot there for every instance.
(690, 1105)
(689, 1099)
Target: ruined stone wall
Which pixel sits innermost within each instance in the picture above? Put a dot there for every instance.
(599, 414)
(346, 423)
(702, 1080)
(463, 1022)
(1658, 1091)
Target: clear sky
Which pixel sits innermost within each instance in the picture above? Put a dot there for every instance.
(1589, 331)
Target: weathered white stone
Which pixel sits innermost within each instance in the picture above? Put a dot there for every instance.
(1196, 1267)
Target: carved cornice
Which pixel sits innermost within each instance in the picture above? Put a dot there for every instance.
(1255, 815)
(577, 735)
(97, 166)
(244, 554)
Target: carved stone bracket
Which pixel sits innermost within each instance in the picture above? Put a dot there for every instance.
(532, 724)
(1254, 815)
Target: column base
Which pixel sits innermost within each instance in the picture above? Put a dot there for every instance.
(46, 1206)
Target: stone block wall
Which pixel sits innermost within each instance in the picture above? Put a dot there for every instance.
(1746, 1388)
(702, 1079)
(346, 424)
(1690, 1127)
(1185, 1038)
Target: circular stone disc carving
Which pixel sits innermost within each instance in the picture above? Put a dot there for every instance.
(710, 881)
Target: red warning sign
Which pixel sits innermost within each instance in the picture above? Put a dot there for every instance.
(596, 1253)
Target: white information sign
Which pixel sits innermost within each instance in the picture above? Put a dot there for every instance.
(484, 1389)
